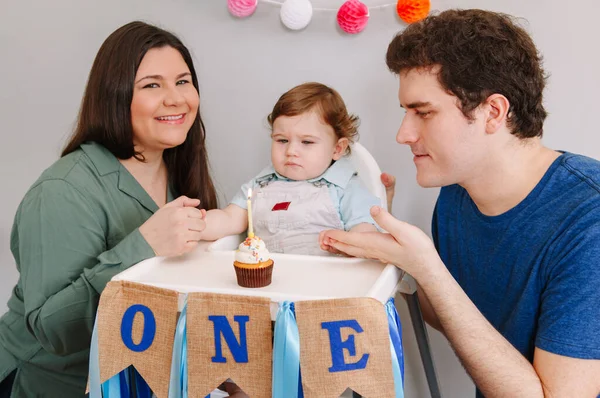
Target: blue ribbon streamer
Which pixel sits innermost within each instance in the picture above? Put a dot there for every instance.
(94, 368)
(115, 387)
(142, 388)
(395, 329)
(286, 354)
(300, 390)
(124, 383)
(178, 387)
(398, 381)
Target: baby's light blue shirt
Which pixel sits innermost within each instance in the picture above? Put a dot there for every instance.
(350, 197)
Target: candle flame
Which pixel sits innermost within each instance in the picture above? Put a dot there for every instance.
(249, 193)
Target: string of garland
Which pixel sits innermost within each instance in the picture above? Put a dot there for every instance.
(352, 16)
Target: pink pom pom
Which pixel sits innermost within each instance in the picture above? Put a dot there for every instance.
(353, 16)
(242, 8)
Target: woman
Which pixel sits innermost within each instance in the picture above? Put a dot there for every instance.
(108, 203)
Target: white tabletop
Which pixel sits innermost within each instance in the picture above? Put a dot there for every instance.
(295, 277)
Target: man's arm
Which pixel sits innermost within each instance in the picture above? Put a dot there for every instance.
(565, 376)
(497, 368)
(428, 313)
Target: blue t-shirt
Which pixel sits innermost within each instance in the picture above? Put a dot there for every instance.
(534, 271)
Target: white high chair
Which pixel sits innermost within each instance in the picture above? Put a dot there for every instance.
(369, 173)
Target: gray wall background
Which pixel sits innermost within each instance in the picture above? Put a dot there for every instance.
(244, 65)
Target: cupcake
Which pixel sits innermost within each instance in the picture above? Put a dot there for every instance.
(253, 265)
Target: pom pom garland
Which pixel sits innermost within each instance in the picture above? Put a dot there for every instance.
(352, 15)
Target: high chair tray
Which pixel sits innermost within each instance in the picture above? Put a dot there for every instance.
(295, 277)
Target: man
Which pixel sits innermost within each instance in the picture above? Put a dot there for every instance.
(512, 276)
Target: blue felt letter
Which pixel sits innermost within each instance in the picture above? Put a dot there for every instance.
(127, 328)
(337, 346)
(222, 326)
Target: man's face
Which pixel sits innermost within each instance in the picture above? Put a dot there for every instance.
(448, 148)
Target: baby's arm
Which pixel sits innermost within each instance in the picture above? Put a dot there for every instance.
(231, 220)
(355, 205)
(363, 227)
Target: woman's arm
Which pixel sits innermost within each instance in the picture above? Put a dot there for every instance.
(65, 263)
(66, 257)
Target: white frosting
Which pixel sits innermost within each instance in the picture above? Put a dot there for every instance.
(252, 251)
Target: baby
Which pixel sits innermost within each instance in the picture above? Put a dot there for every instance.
(310, 185)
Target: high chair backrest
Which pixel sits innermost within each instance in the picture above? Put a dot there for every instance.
(368, 171)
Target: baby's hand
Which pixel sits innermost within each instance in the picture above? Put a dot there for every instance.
(324, 243)
(389, 182)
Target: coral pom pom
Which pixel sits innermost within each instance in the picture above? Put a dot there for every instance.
(413, 10)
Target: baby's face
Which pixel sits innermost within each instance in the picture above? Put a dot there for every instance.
(303, 146)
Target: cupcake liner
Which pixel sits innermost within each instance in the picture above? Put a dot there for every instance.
(254, 277)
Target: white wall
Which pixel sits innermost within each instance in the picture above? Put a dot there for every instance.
(48, 47)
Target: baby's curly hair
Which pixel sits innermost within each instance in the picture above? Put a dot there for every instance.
(326, 101)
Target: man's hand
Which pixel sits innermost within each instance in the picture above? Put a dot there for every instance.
(405, 246)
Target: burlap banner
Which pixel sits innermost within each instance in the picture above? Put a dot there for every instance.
(229, 337)
(136, 325)
(344, 343)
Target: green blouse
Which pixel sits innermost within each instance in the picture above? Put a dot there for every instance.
(75, 229)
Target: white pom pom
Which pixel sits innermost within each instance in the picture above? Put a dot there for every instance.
(296, 14)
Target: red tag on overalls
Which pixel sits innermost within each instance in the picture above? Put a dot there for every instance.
(281, 206)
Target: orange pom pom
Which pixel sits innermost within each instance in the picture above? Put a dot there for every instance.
(413, 10)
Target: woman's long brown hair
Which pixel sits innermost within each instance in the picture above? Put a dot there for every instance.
(105, 114)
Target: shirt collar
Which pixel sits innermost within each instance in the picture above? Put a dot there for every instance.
(107, 163)
(338, 173)
(104, 161)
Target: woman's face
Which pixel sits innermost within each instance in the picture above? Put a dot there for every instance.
(165, 102)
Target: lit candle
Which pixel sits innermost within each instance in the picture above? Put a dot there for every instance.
(250, 229)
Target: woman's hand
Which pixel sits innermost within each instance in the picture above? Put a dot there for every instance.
(405, 246)
(175, 228)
